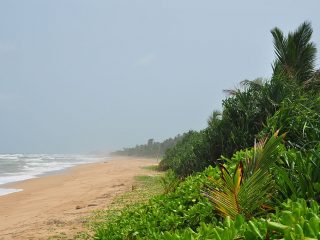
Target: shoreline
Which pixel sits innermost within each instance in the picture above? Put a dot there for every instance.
(5, 184)
(10, 185)
(57, 203)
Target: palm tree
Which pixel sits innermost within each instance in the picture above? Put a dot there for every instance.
(214, 118)
(295, 54)
(255, 83)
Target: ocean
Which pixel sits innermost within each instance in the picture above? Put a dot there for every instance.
(19, 167)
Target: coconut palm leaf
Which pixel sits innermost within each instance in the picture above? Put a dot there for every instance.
(254, 192)
(264, 154)
(295, 53)
(244, 193)
(225, 191)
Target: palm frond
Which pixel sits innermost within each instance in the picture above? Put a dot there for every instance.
(295, 54)
(264, 154)
(224, 195)
(254, 192)
(251, 184)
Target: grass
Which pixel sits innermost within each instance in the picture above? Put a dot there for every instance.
(145, 187)
(151, 167)
(60, 236)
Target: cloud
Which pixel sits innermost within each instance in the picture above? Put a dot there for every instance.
(145, 60)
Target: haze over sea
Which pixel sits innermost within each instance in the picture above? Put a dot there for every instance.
(19, 167)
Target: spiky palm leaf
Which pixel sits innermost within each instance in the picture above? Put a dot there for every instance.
(223, 193)
(295, 53)
(250, 185)
(215, 116)
(264, 154)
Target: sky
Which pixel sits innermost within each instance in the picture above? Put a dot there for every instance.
(84, 75)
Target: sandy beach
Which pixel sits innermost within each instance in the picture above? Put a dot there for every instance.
(57, 204)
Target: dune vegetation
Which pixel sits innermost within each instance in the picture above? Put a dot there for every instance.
(254, 172)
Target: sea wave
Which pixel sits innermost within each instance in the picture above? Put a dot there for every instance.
(19, 167)
(5, 191)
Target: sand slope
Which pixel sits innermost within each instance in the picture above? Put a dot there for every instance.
(54, 205)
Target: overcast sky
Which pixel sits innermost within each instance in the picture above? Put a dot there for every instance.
(77, 76)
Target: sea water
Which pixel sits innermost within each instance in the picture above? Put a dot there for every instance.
(19, 167)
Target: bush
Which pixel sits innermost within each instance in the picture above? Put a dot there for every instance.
(297, 175)
(300, 119)
(187, 156)
(244, 115)
(182, 208)
(294, 220)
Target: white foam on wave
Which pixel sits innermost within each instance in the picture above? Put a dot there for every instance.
(34, 165)
(44, 168)
(15, 178)
(11, 155)
(5, 191)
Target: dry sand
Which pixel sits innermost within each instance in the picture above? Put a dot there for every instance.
(57, 204)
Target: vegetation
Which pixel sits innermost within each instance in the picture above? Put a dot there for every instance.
(298, 174)
(292, 220)
(295, 53)
(183, 157)
(237, 194)
(220, 187)
(300, 119)
(151, 149)
(176, 210)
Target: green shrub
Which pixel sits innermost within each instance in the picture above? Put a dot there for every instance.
(169, 181)
(298, 174)
(294, 220)
(182, 208)
(244, 114)
(250, 186)
(300, 118)
(187, 156)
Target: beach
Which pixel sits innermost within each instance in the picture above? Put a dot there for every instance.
(58, 204)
